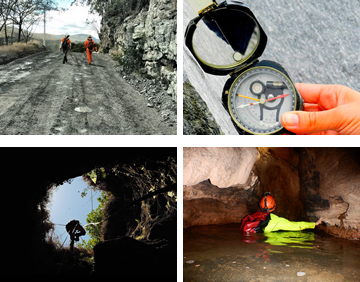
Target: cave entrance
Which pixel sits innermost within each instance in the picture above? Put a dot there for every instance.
(138, 227)
(66, 203)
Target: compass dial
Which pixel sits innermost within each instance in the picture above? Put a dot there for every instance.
(258, 98)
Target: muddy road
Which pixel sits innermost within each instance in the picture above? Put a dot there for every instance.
(39, 95)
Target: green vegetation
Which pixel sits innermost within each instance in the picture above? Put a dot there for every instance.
(131, 58)
(93, 217)
(117, 10)
(79, 47)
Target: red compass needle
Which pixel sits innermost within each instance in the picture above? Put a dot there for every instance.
(278, 97)
(263, 101)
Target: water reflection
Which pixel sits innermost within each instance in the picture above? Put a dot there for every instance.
(224, 253)
(295, 239)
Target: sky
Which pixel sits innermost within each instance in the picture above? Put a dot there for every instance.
(66, 204)
(72, 21)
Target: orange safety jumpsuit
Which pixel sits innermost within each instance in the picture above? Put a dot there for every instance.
(65, 51)
(89, 52)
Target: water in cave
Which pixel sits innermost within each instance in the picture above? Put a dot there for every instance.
(223, 253)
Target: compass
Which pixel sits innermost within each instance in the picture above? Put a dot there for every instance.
(226, 38)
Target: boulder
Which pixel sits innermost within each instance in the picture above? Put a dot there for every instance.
(129, 256)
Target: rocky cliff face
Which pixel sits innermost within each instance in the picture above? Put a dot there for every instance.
(149, 28)
(222, 185)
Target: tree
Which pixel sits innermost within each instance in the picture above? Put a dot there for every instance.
(26, 9)
(6, 8)
(93, 217)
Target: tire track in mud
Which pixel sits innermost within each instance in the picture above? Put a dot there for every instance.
(44, 101)
(30, 105)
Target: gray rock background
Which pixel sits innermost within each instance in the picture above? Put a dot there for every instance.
(316, 42)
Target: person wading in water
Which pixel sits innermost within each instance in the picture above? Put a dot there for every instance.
(266, 221)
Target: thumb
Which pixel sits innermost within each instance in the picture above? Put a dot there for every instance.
(310, 122)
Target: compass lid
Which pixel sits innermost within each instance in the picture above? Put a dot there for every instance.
(225, 37)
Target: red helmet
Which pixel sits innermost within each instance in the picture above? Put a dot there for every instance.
(267, 203)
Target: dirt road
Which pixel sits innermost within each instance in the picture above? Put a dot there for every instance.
(41, 96)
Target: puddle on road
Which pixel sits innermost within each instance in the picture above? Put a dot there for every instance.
(83, 109)
(223, 253)
(19, 76)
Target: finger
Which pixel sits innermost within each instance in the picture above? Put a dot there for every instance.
(326, 96)
(310, 122)
(311, 108)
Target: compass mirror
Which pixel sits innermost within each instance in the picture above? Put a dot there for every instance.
(225, 38)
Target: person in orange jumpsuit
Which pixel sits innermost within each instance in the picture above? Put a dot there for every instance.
(66, 46)
(90, 46)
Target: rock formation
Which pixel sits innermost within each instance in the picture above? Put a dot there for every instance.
(222, 185)
(149, 28)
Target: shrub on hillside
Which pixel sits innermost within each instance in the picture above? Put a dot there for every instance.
(79, 47)
(131, 58)
(21, 48)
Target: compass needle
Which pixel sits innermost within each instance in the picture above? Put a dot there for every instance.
(246, 97)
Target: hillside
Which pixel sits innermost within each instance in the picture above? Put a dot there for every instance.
(39, 36)
(73, 38)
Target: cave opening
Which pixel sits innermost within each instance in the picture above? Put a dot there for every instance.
(221, 186)
(138, 224)
(71, 200)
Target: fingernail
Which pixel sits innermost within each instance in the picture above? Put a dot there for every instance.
(291, 119)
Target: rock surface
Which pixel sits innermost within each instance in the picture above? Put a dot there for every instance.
(224, 167)
(128, 256)
(153, 30)
(196, 115)
(330, 184)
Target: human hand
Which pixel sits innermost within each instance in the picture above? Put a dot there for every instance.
(321, 219)
(328, 110)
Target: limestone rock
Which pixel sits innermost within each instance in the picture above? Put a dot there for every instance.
(278, 174)
(206, 204)
(152, 29)
(224, 167)
(330, 184)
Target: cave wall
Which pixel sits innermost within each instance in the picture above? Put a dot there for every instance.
(278, 174)
(307, 183)
(330, 184)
